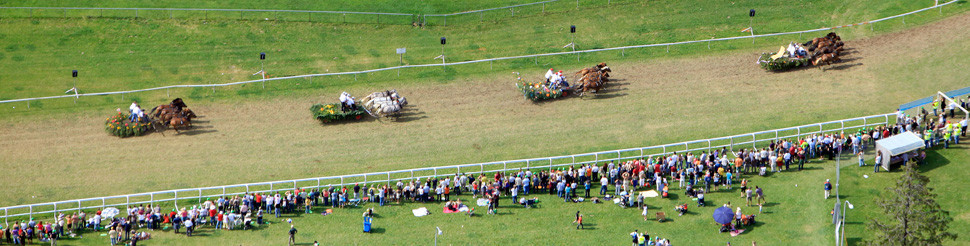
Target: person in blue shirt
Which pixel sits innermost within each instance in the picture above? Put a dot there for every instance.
(828, 188)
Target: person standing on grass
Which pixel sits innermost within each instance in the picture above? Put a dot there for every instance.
(828, 188)
(113, 235)
(292, 235)
(579, 221)
(761, 195)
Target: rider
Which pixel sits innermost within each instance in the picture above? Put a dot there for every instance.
(346, 102)
(549, 75)
(135, 111)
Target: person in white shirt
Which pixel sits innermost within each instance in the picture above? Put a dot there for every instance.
(549, 75)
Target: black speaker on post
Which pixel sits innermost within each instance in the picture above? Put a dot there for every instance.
(443, 41)
(74, 73)
(262, 55)
(572, 29)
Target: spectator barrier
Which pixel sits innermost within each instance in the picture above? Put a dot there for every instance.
(197, 195)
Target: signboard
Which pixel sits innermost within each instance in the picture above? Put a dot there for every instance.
(401, 50)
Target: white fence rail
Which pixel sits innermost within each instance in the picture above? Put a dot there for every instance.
(171, 12)
(535, 56)
(196, 195)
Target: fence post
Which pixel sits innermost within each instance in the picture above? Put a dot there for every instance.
(754, 141)
(79, 206)
(103, 202)
(5, 215)
(200, 196)
(708, 145)
(446, 21)
(247, 186)
(136, 14)
(224, 190)
(776, 135)
(176, 200)
(31, 212)
(55, 209)
(388, 178)
(482, 170)
(151, 198)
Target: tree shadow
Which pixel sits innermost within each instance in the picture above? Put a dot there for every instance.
(935, 160)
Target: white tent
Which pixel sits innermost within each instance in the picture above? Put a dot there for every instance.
(894, 146)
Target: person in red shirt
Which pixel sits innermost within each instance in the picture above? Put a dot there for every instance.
(579, 221)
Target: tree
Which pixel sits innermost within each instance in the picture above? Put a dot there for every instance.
(916, 218)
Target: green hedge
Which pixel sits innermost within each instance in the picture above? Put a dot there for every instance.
(783, 63)
(331, 112)
(119, 125)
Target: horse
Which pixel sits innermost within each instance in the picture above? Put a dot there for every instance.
(177, 121)
(591, 82)
(593, 69)
(828, 59)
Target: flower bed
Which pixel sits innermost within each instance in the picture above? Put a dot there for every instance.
(331, 112)
(783, 63)
(119, 125)
(538, 91)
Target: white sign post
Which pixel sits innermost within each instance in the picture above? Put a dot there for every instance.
(401, 51)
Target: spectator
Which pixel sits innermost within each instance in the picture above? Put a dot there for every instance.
(292, 236)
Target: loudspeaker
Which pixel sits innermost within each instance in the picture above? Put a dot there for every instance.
(74, 73)
(443, 41)
(751, 13)
(572, 29)
(262, 55)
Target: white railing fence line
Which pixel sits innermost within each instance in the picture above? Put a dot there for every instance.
(445, 64)
(139, 12)
(196, 195)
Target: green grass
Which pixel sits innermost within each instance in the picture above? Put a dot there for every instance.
(794, 214)
(124, 54)
(386, 6)
(464, 114)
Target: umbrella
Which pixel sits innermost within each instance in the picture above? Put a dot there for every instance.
(723, 215)
(110, 212)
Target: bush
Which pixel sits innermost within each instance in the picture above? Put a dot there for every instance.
(331, 112)
(783, 63)
(119, 125)
(538, 91)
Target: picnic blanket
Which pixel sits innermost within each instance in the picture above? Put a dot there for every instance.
(463, 208)
(736, 232)
(422, 211)
(482, 202)
(649, 193)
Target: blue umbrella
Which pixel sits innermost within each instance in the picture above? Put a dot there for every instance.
(723, 215)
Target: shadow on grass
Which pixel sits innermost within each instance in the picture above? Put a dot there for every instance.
(193, 132)
(935, 160)
(769, 204)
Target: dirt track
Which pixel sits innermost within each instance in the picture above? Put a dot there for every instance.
(480, 120)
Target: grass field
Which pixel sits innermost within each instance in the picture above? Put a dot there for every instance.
(123, 54)
(469, 114)
(794, 214)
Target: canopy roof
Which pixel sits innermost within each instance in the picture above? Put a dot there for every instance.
(901, 143)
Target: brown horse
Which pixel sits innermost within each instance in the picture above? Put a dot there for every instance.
(828, 59)
(592, 82)
(592, 69)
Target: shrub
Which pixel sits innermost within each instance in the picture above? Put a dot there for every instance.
(331, 112)
(119, 125)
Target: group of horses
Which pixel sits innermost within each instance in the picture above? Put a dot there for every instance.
(592, 79)
(825, 50)
(384, 103)
(175, 114)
